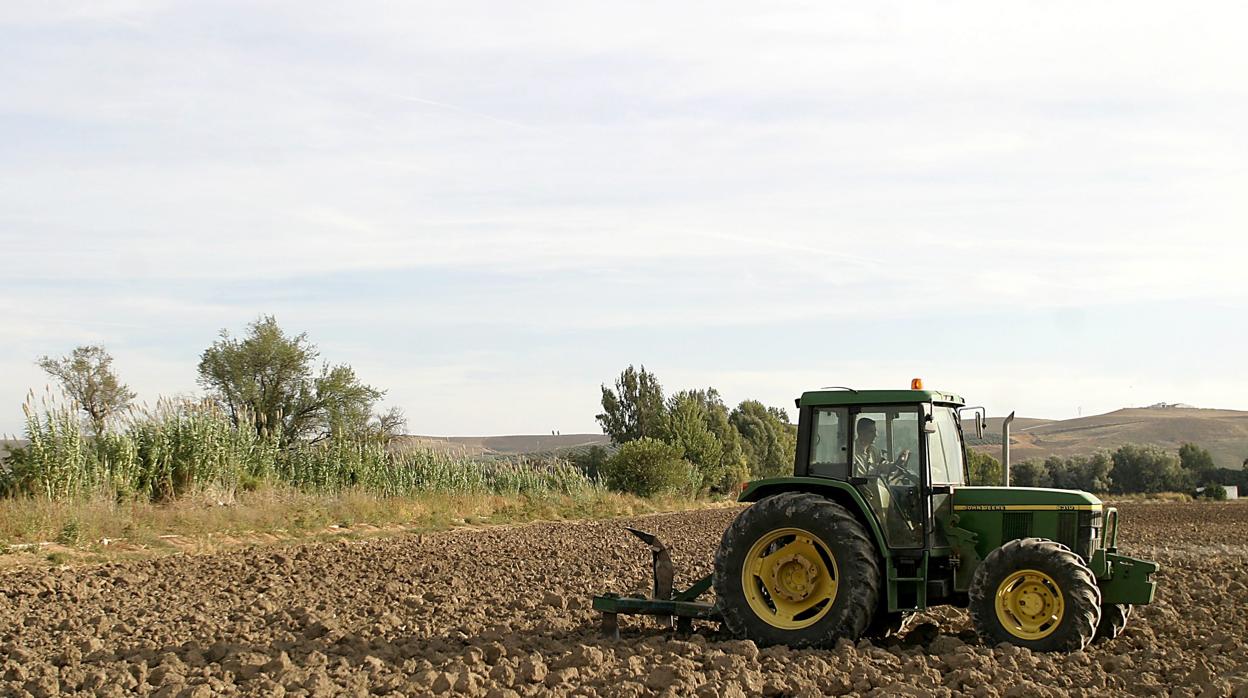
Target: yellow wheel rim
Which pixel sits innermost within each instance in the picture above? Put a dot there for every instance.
(1029, 604)
(790, 578)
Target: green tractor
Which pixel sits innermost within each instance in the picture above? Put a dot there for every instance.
(877, 522)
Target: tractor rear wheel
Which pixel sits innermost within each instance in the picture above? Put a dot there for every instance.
(797, 569)
(1113, 620)
(1035, 593)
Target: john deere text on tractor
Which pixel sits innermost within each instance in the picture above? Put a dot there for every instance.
(877, 522)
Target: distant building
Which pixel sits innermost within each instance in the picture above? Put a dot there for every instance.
(1170, 406)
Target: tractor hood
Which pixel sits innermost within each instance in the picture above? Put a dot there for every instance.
(1007, 498)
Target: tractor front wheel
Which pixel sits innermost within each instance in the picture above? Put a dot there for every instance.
(1037, 594)
(797, 569)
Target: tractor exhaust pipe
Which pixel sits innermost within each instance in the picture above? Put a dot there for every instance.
(1005, 448)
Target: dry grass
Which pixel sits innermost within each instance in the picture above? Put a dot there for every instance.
(1151, 497)
(37, 529)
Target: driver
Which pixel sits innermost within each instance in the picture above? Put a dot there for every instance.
(867, 458)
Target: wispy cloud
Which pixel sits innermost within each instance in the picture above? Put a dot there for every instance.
(460, 110)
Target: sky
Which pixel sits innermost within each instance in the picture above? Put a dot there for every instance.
(490, 209)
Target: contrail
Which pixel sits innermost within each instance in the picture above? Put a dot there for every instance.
(461, 110)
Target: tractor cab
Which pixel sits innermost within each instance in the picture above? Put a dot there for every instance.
(892, 446)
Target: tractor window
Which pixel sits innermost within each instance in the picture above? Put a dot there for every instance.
(945, 448)
(886, 465)
(829, 443)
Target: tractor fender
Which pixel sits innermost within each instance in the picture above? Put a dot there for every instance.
(838, 491)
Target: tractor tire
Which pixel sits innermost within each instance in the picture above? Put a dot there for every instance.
(1037, 594)
(797, 569)
(1113, 620)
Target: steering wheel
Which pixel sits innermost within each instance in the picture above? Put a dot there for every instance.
(898, 473)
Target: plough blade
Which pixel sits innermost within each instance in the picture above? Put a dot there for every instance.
(666, 605)
(661, 564)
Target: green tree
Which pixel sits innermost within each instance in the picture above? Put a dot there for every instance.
(87, 377)
(634, 409)
(1029, 473)
(697, 423)
(273, 377)
(735, 469)
(648, 467)
(590, 461)
(1060, 473)
(1231, 476)
(983, 469)
(1148, 469)
(767, 439)
(1197, 461)
(1095, 472)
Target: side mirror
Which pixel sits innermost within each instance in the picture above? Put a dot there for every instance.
(929, 427)
(980, 415)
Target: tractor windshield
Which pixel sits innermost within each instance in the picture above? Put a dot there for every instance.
(877, 449)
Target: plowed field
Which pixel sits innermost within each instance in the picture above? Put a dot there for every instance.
(504, 611)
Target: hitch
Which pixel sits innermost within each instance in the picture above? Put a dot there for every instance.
(668, 606)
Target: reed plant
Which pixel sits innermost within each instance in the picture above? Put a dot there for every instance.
(163, 453)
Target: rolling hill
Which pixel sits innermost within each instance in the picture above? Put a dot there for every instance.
(1223, 432)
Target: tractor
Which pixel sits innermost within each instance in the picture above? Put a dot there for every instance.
(878, 522)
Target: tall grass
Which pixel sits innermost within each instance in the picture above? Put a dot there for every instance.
(160, 454)
(57, 460)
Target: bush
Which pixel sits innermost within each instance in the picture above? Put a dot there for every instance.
(1214, 492)
(647, 467)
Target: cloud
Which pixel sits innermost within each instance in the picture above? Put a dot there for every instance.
(609, 176)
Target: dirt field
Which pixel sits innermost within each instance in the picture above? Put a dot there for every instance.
(505, 611)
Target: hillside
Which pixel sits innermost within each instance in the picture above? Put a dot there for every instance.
(1223, 432)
